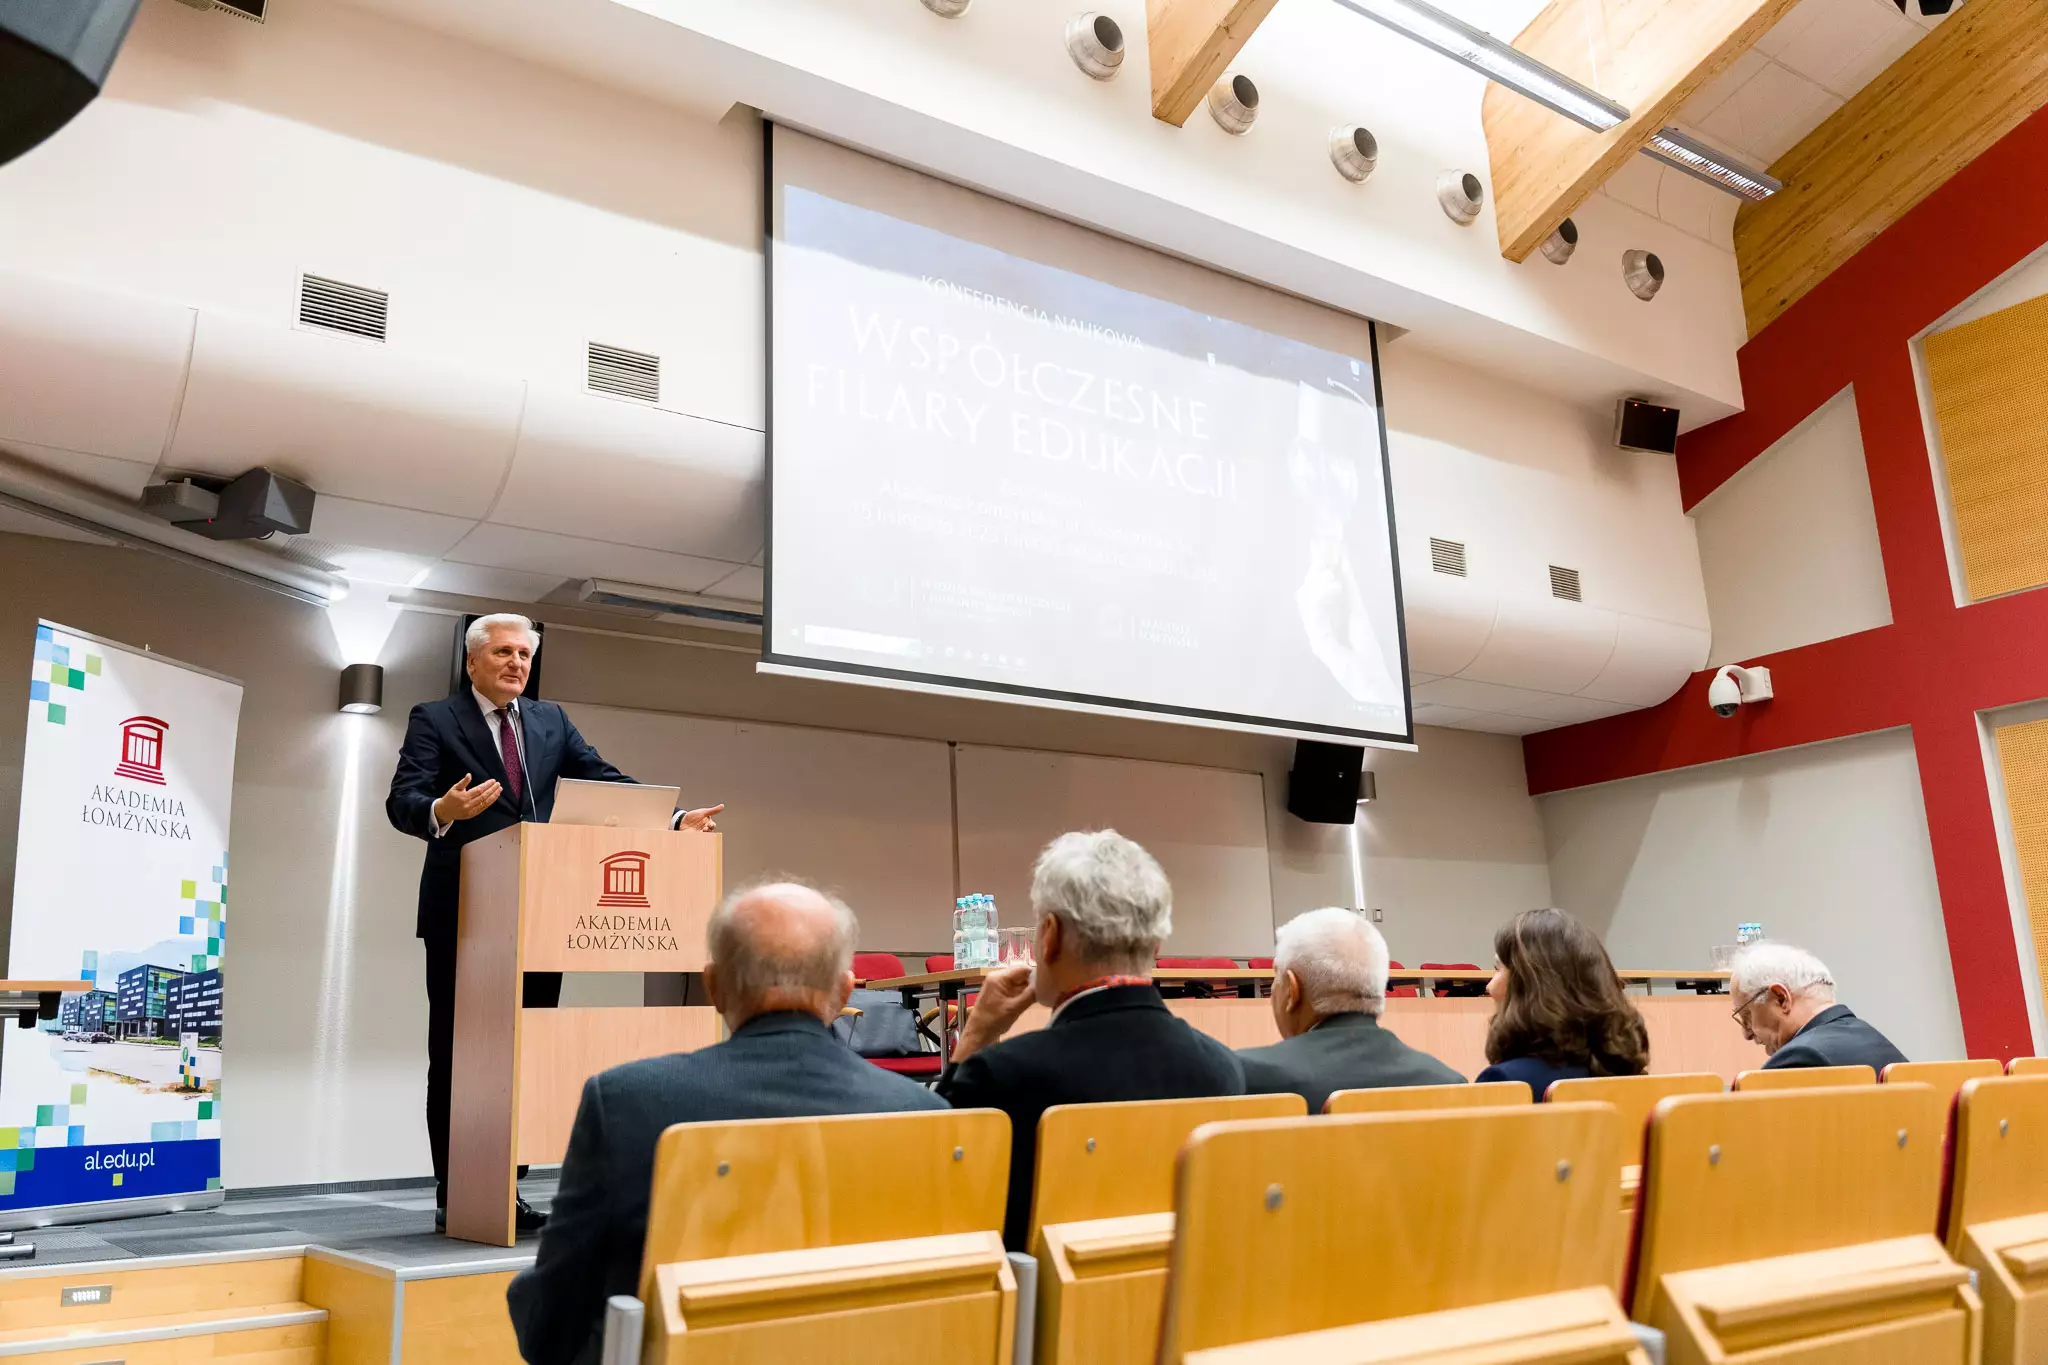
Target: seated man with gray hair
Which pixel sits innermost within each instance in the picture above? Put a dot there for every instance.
(1104, 908)
(781, 967)
(1785, 999)
(1329, 986)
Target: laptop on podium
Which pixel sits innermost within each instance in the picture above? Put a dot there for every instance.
(616, 805)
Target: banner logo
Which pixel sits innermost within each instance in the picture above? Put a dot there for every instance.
(625, 880)
(142, 749)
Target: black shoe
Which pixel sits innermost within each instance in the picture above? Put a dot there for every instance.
(527, 1218)
(440, 1218)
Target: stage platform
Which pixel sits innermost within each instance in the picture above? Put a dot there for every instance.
(269, 1277)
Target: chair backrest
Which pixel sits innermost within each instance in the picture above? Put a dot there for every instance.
(1450, 967)
(1944, 1078)
(2027, 1066)
(1285, 1226)
(1114, 1160)
(1998, 1153)
(1407, 1098)
(1805, 1077)
(1401, 992)
(1633, 1097)
(1259, 964)
(1745, 1177)
(877, 966)
(939, 962)
(763, 1185)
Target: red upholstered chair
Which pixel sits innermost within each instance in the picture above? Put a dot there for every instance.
(883, 967)
(1261, 964)
(1199, 988)
(939, 962)
(1400, 992)
(1464, 988)
(877, 967)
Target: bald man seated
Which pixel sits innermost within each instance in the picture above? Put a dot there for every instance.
(781, 966)
(1329, 986)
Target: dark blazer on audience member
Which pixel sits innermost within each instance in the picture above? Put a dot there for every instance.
(1118, 1043)
(1536, 1071)
(1343, 1052)
(773, 1066)
(1836, 1037)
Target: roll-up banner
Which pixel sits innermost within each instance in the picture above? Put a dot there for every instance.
(120, 882)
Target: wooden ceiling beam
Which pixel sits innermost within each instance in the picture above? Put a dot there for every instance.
(1649, 55)
(1926, 116)
(1192, 42)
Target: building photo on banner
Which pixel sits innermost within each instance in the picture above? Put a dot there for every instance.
(121, 883)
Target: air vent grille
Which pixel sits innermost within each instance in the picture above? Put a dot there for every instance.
(1564, 583)
(251, 10)
(1447, 556)
(629, 374)
(342, 307)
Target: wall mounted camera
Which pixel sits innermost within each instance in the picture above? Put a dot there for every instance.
(1734, 688)
(1354, 151)
(1461, 194)
(1643, 273)
(1558, 247)
(1234, 104)
(1096, 43)
(948, 9)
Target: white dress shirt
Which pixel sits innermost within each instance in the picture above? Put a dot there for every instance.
(492, 720)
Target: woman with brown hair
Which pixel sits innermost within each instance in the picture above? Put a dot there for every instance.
(1559, 1008)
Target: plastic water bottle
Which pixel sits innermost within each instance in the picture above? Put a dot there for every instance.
(961, 939)
(991, 939)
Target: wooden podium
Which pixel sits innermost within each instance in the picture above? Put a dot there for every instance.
(561, 898)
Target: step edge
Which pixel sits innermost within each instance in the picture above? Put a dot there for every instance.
(115, 1336)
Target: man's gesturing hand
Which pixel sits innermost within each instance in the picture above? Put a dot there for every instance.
(701, 819)
(463, 801)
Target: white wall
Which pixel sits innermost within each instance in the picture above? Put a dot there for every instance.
(1826, 846)
(1788, 546)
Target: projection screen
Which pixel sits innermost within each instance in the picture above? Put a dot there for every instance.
(1013, 457)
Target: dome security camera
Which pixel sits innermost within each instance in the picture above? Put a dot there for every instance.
(1354, 151)
(1096, 43)
(1734, 688)
(1234, 104)
(1460, 194)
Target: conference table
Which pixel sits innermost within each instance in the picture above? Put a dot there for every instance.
(1688, 1019)
(29, 1001)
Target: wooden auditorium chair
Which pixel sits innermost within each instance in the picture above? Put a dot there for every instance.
(1804, 1077)
(866, 1238)
(1634, 1098)
(1389, 1099)
(1102, 1219)
(1456, 1237)
(2027, 1066)
(1943, 1078)
(1798, 1226)
(1997, 1222)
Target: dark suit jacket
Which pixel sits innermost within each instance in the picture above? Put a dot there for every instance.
(1537, 1072)
(445, 739)
(773, 1066)
(1343, 1052)
(1121, 1043)
(1835, 1037)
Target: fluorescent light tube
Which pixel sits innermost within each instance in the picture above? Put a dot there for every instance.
(1702, 162)
(1494, 59)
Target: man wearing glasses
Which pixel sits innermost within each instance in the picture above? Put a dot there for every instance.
(1785, 1000)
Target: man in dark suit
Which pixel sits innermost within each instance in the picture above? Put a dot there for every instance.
(1329, 985)
(1104, 907)
(520, 747)
(781, 967)
(1785, 999)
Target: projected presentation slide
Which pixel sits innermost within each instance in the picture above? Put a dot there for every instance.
(990, 473)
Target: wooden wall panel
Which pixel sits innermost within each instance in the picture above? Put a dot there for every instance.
(1989, 379)
(2023, 759)
(458, 1320)
(1928, 115)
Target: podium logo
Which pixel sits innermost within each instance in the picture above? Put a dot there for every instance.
(142, 749)
(624, 880)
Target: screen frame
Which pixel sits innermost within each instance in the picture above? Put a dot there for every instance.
(939, 684)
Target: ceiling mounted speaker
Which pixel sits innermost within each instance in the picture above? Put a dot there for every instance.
(1643, 273)
(1558, 246)
(1460, 194)
(1354, 151)
(948, 9)
(1234, 104)
(1096, 43)
(54, 56)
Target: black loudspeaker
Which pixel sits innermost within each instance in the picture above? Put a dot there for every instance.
(54, 57)
(1645, 426)
(1326, 782)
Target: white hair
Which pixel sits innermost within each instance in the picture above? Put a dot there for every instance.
(1339, 958)
(1762, 965)
(749, 971)
(479, 632)
(1109, 893)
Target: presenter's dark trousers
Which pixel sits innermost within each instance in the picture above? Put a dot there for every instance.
(540, 990)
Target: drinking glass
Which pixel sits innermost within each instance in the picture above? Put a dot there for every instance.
(1014, 946)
